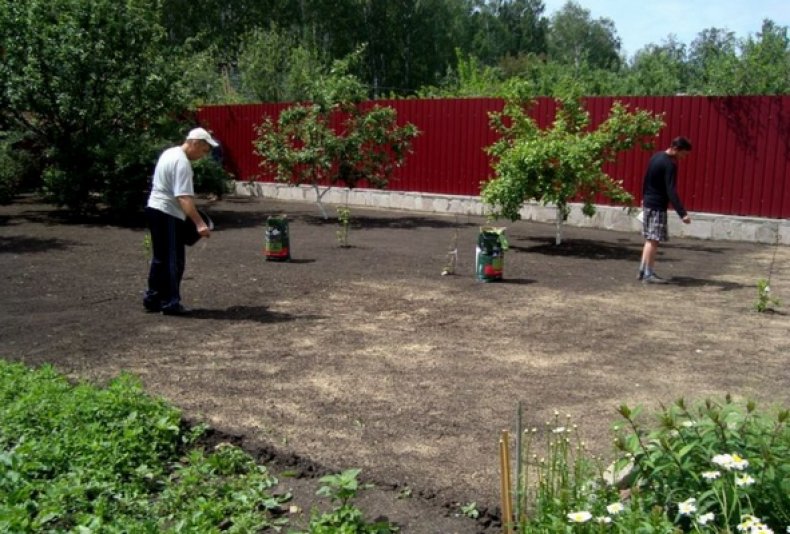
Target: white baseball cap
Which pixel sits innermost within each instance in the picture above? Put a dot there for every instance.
(203, 135)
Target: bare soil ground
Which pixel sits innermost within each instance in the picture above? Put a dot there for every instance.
(367, 357)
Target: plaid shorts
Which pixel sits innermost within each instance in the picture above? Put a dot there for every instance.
(654, 225)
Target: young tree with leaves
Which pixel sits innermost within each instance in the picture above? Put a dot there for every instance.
(304, 147)
(563, 162)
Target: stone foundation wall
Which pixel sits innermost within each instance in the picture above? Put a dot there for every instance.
(703, 225)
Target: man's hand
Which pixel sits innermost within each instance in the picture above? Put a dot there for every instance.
(188, 205)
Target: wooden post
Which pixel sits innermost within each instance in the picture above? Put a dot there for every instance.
(504, 465)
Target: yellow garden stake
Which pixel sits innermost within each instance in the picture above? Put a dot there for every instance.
(504, 464)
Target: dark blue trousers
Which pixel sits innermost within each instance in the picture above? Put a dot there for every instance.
(168, 262)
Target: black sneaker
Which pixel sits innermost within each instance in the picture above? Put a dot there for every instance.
(653, 279)
(176, 310)
(641, 275)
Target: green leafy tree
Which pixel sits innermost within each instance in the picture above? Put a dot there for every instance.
(207, 76)
(275, 67)
(575, 38)
(470, 79)
(305, 147)
(221, 23)
(563, 162)
(658, 70)
(409, 44)
(90, 80)
(764, 67)
(501, 28)
(526, 26)
(14, 165)
(713, 61)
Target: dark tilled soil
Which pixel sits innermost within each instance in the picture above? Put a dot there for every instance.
(367, 357)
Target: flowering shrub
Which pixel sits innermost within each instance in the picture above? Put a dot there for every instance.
(732, 460)
(717, 467)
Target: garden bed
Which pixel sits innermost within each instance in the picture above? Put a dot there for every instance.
(367, 357)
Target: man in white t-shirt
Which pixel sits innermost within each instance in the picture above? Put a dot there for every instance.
(171, 203)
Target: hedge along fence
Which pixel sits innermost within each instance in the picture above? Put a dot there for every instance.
(740, 164)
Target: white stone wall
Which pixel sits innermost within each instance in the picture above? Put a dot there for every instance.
(703, 225)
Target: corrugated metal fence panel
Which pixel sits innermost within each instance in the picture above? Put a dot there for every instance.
(449, 154)
(739, 165)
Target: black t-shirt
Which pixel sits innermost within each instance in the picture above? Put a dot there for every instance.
(659, 188)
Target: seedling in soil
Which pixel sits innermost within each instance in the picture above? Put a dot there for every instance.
(452, 255)
(765, 301)
(344, 219)
(342, 489)
(147, 244)
(470, 510)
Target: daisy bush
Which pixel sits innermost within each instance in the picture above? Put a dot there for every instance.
(713, 467)
(733, 460)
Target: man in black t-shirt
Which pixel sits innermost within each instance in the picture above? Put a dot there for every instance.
(658, 191)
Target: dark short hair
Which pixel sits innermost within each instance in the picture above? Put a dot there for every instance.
(681, 143)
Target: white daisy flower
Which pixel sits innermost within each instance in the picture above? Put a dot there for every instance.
(615, 508)
(688, 506)
(744, 480)
(579, 517)
(747, 522)
(604, 519)
(705, 518)
(711, 475)
(738, 463)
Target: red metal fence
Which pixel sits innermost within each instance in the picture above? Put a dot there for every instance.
(739, 165)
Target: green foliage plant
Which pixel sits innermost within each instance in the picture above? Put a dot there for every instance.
(93, 83)
(77, 458)
(276, 66)
(221, 490)
(470, 510)
(344, 517)
(716, 467)
(726, 458)
(211, 178)
(334, 139)
(344, 219)
(562, 488)
(148, 245)
(765, 301)
(563, 162)
(471, 78)
(12, 166)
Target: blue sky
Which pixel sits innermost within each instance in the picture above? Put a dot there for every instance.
(642, 22)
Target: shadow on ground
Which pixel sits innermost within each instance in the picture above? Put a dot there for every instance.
(689, 281)
(25, 245)
(258, 314)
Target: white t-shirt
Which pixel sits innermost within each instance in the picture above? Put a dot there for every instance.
(172, 178)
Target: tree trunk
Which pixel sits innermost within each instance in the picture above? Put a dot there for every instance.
(558, 237)
(318, 196)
